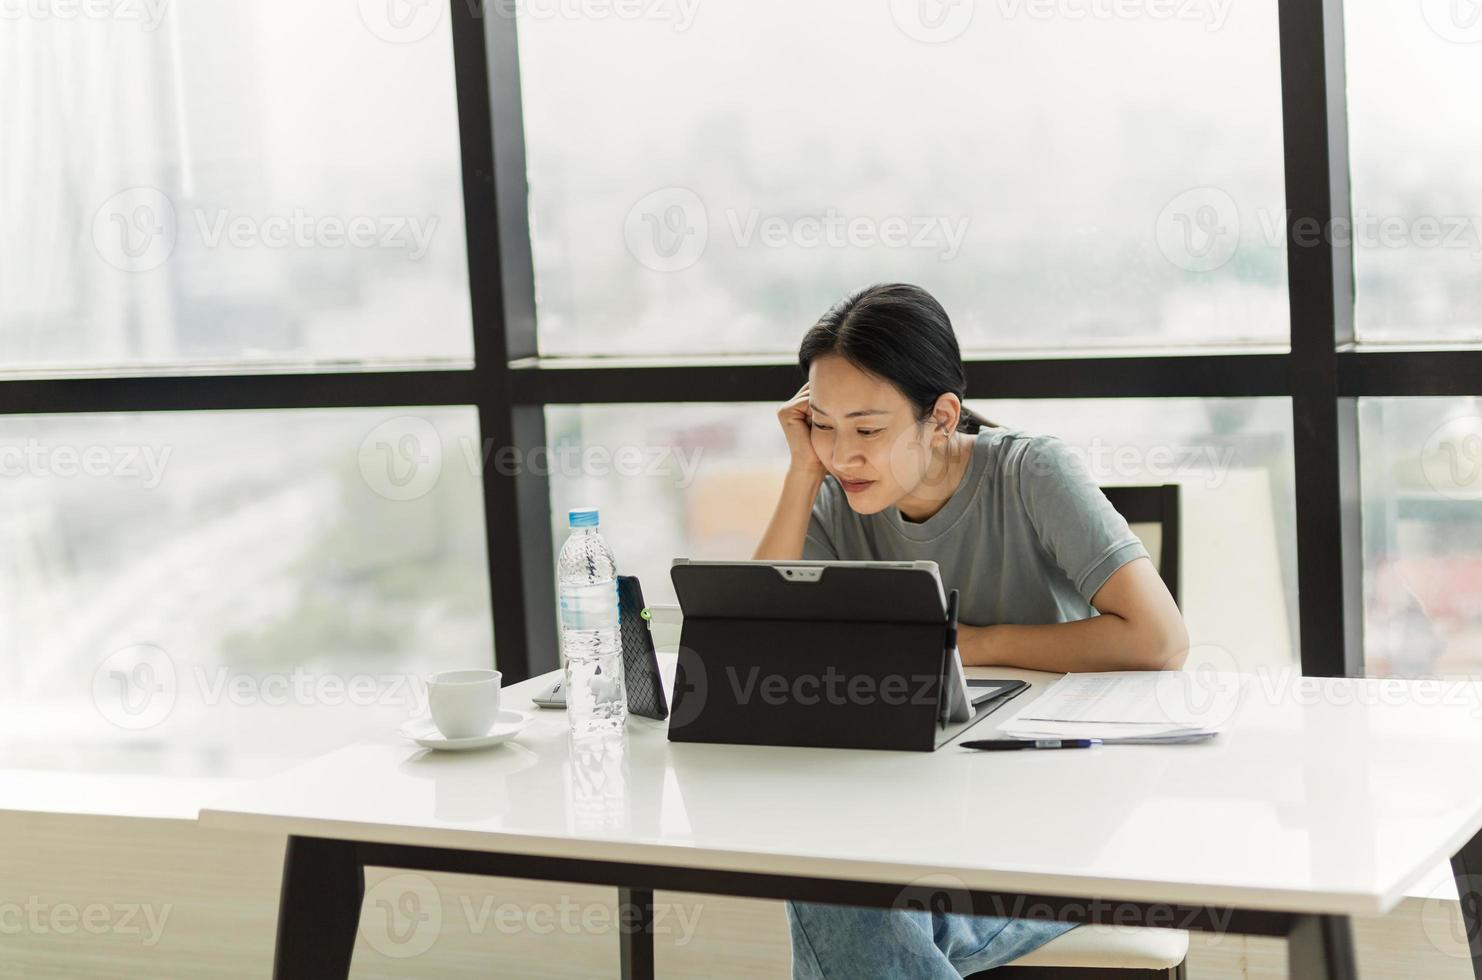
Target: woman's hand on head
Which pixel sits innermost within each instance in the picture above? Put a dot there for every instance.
(798, 427)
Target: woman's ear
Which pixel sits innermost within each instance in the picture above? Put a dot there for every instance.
(947, 413)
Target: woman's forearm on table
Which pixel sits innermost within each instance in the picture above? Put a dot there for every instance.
(1105, 642)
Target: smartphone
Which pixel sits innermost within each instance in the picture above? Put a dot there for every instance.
(980, 689)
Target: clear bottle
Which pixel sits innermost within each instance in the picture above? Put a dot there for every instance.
(596, 702)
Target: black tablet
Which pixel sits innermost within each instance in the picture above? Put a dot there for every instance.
(821, 591)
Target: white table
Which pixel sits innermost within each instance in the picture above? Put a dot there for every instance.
(1310, 808)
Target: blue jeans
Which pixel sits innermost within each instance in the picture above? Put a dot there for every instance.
(841, 942)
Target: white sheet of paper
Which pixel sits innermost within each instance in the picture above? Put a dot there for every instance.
(1141, 704)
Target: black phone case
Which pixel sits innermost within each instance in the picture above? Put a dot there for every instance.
(645, 691)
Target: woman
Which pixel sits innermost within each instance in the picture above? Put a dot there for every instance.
(888, 464)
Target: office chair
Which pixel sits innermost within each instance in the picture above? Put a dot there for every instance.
(1101, 952)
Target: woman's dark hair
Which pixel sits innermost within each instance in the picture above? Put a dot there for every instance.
(900, 333)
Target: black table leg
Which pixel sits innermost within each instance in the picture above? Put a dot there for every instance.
(1320, 947)
(1466, 868)
(636, 932)
(319, 910)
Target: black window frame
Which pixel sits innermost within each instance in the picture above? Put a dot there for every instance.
(509, 385)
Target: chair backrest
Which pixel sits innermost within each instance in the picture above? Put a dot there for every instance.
(1152, 513)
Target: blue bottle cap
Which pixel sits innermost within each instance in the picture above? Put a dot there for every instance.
(582, 517)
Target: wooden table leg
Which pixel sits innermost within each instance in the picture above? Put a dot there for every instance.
(1320, 947)
(1466, 868)
(636, 932)
(319, 909)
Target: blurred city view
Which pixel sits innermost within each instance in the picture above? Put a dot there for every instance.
(276, 187)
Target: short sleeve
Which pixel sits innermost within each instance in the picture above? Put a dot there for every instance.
(1072, 518)
(819, 543)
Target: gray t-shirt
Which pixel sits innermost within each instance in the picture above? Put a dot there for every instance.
(1028, 537)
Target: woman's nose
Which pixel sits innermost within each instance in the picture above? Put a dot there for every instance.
(845, 449)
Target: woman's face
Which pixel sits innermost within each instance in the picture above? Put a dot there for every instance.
(867, 434)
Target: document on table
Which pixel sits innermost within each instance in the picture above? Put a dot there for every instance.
(1157, 706)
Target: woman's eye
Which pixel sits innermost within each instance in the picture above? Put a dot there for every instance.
(868, 432)
(820, 425)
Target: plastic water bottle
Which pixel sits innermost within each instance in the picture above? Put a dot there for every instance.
(596, 702)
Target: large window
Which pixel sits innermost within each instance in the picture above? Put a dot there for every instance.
(1422, 491)
(1414, 71)
(710, 178)
(220, 186)
(700, 481)
(239, 233)
(216, 573)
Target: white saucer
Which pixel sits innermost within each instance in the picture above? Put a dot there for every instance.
(506, 726)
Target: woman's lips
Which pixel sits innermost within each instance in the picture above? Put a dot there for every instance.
(855, 486)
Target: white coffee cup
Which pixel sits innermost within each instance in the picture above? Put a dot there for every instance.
(464, 703)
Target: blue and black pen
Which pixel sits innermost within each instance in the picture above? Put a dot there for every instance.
(1010, 744)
